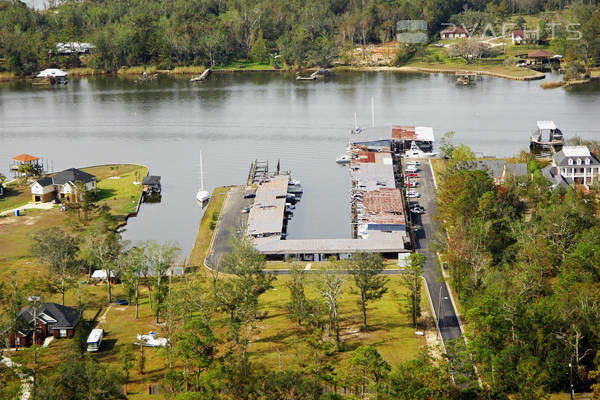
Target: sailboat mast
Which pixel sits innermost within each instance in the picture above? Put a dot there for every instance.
(355, 122)
(373, 111)
(201, 173)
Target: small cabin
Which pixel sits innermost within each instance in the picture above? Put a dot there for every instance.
(453, 33)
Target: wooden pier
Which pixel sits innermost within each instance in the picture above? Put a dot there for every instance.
(465, 77)
(258, 170)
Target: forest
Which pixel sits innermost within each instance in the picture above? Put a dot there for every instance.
(272, 32)
(524, 262)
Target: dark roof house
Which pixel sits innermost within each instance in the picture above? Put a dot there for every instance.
(72, 175)
(51, 320)
(62, 185)
(56, 316)
(519, 169)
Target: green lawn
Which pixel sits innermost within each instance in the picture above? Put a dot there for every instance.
(121, 194)
(247, 65)
(15, 195)
(205, 234)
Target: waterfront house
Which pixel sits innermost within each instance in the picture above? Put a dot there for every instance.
(573, 165)
(62, 186)
(453, 32)
(51, 320)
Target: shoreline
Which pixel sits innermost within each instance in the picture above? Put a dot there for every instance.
(136, 71)
(413, 69)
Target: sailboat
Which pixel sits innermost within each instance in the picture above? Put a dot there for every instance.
(356, 129)
(202, 194)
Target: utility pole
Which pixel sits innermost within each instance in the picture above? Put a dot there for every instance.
(438, 312)
(571, 380)
(34, 300)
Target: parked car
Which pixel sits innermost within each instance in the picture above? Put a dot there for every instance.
(412, 194)
(411, 184)
(250, 195)
(417, 210)
(122, 302)
(411, 175)
(411, 169)
(245, 210)
(414, 163)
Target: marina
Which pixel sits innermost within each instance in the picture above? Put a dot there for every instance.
(99, 120)
(377, 202)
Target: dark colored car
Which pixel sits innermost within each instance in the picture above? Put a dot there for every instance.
(122, 302)
(250, 195)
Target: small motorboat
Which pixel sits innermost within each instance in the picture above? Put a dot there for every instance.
(294, 189)
(343, 159)
(294, 182)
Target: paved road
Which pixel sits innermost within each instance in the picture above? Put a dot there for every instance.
(231, 219)
(448, 322)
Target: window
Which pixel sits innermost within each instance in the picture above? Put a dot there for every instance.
(579, 161)
(570, 161)
(587, 161)
(63, 333)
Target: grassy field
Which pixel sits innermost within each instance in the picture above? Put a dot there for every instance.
(15, 195)
(15, 241)
(122, 194)
(205, 234)
(277, 340)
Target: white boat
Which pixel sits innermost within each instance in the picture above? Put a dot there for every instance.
(151, 341)
(294, 182)
(416, 152)
(202, 196)
(343, 159)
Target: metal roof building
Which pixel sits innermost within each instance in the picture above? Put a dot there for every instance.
(267, 213)
(383, 243)
(384, 135)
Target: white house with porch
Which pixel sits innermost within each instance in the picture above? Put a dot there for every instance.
(573, 165)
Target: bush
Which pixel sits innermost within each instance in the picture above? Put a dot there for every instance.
(213, 225)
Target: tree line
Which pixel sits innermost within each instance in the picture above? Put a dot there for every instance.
(524, 260)
(209, 32)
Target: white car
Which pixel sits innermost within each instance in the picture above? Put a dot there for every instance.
(411, 169)
(413, 163)
(412, 194)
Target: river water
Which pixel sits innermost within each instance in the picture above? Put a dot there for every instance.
(238, 117)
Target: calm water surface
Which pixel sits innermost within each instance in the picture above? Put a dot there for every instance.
(235, 118)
